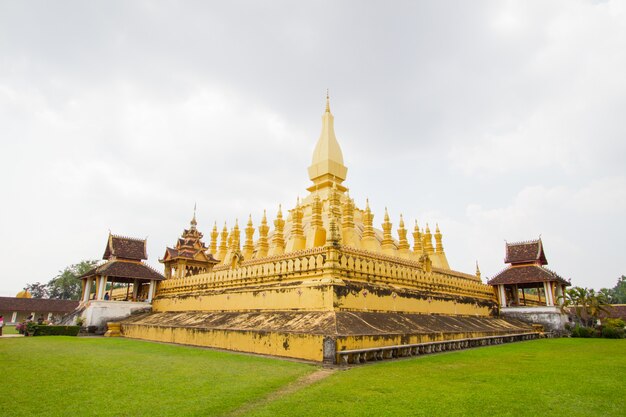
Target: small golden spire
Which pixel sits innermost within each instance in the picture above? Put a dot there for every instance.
(387, 242)
(428, 241)
(214, 236)
(262, 244)
(248, 247)
(327, 102)
(417, 240)
(403, 244)
(438, 239)
(193, 220)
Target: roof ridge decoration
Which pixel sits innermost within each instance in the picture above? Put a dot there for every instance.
(138, 239)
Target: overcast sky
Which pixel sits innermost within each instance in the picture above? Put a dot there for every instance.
(498, 120)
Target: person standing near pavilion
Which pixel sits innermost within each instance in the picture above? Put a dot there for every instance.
(1, 323)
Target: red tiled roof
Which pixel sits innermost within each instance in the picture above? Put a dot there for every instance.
(38, 305)
(526, 274)
(615, 311)
(124, 269)
(126, 248)
(523, 252)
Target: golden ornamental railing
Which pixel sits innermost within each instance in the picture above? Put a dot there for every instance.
(343, 262)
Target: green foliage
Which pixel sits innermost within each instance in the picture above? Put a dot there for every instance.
(37, 290)
(66, 285)
(30, 327)
(585, 303)
(611, 332)
(46, 330)
(619, 291)
(581, 331)
(617, 294)
(617, 322)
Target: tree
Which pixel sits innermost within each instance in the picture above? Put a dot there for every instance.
(37, 290)
(586, 304)
(66, 285)
(619, 291)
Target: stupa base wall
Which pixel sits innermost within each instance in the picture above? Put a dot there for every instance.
(334, 337)
(290, 345)
(325, 294)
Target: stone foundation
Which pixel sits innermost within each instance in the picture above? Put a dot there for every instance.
(550, 317)
(329, 336)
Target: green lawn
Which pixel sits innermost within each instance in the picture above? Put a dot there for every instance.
(48, 376)
(86, 376)
(9, 330)
(550, 377)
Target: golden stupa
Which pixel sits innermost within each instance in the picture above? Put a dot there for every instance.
(24, 294)
(323, 285)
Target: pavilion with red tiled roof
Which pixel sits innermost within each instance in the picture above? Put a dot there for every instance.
(526, 281)
(124, 264)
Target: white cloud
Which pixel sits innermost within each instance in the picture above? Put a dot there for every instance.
(122, 116)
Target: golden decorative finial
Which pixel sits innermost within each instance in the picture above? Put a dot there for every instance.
(248, 247)
(327, 102)
(387, 242)
(262, 244)
(438, 239)
(214, 235)
(193, 219)
(417, 240)
(428, 241)
(403, 243)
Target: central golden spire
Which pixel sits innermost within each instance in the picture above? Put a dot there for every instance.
(327, 167)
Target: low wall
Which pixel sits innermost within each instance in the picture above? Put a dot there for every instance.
(97, 313)
(550, 317)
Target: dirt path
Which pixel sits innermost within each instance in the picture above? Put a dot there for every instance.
(297, 385)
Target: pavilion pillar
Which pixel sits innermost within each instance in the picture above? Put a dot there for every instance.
(516, 294)
(502, 295)
(14, 317)
(559, 294)
(135, 289)
(151, 290)
(103, 285)
(87, 289)
(548, 291)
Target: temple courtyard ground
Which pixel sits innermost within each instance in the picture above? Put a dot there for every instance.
(65, 376)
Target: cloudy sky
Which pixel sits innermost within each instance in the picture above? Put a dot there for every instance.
(498, 120)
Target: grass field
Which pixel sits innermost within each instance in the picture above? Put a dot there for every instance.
(49, 376)
(9, 330)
